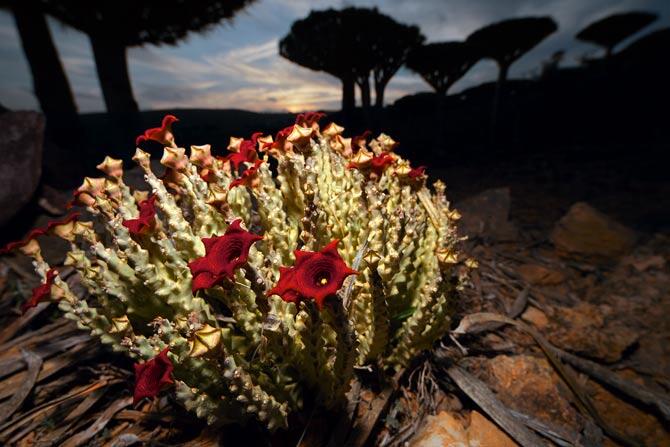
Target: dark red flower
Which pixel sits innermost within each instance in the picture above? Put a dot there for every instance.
(161, 134)
(417, 172)
(41, 292)
(152, 375)
(309, 119)
(246, 153)
(280, 139)
(379, 163)
(72, 217)
(315, 275)
(147, 217)
(360, 140)
(247, 176)
(223, 254)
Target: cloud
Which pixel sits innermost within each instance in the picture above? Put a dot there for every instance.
(237, 65)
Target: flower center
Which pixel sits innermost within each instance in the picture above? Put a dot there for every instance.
(322, 278)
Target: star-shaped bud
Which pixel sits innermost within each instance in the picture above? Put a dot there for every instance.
(204, 341)
(201, 156)
(142, 158)
(361, 159)
(147, 219)
(314, 276)
(175, 158)
(248, 176)
(152, 375)
(161, 134)
(359, 141)
(112, 167)
(41, 292)
(91, 188)
(332, 130)
(223, 255)
(120, 325)
(300, 136)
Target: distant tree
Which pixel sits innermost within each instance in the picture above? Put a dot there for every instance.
(112, 27)
(393, 42)
(442, 64)
(352, 44)
(319, 42)
(505, 42)
(50, 83)
(609, 31)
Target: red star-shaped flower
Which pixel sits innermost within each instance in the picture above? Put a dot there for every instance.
(72, 217)
(246, 152)
(147, 218)
(247, 176)
(315, 275)
(161, 134)
(41, 292)
(379, 163)
(280, 140)
(309, 119)
(223, 254)
(417, 172)
(152, 375)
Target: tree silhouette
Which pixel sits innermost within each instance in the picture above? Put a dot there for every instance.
(50, 83)
(442, 64)
(327, 52)
(393, 42)
(611, 30)
(352, 44)
(505, 42)
(114, 26)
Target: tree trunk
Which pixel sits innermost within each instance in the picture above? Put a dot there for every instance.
(49, 80)
(379, 94)
(112, 66)
(364, 85)
(348, 93)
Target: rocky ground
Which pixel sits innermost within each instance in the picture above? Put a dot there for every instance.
(575, 279)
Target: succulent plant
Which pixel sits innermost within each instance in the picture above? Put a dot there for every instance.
(252, 281)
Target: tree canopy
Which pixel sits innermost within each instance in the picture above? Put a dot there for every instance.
(442, 64)
(508, 40)
(611, 30)
(114, 26)
(351, 44)
(134, 23)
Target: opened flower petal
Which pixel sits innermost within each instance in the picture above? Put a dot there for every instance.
(309, 119)
(315, 276)
(147, 218)
(161, 134)
(223, 254)
(246, 152)
(72, 217)
(41, 292)
(417, 172)
(152, 375)
(247, 176)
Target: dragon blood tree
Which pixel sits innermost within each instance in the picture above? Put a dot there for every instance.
(246, 289)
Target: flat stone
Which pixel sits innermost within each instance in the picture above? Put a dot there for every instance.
(586, 234)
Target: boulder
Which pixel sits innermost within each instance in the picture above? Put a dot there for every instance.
(487, 215)
(586, 234)
(21, 143)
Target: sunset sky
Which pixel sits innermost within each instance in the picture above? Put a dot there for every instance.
(236, 65)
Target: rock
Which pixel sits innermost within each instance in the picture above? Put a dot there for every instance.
(583, 329)
(444, 430)
(487, 215)
(586, 234)
(21, 143)
(529, 385)
(642, 264)
(536, 317)
(539, 275)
